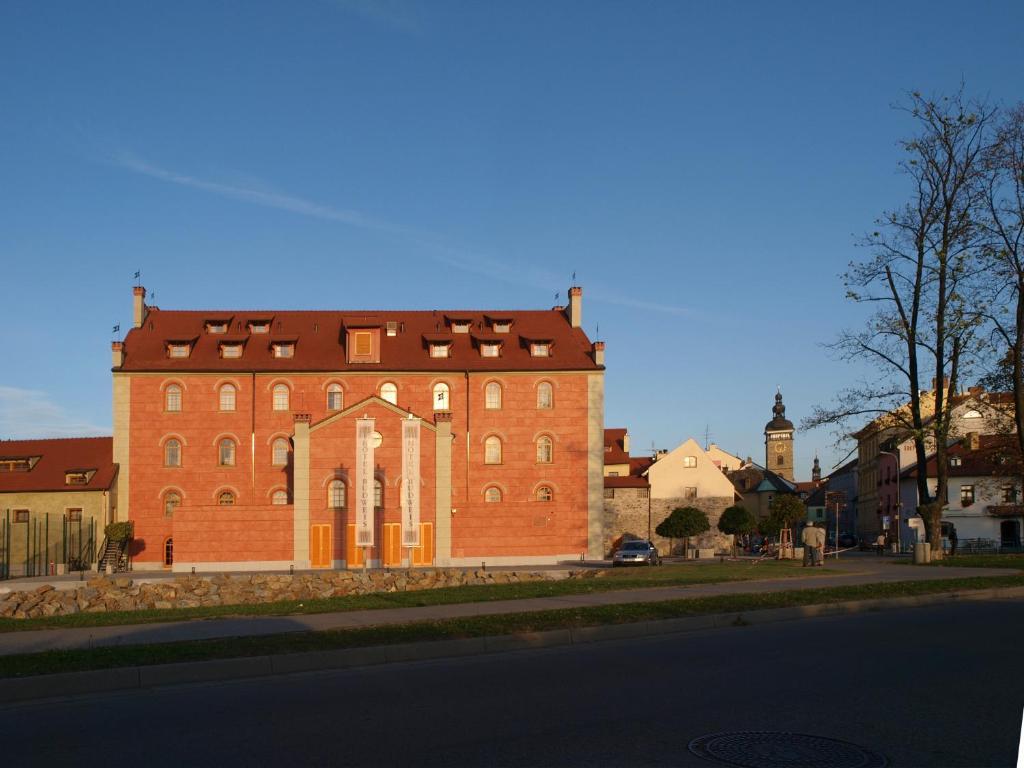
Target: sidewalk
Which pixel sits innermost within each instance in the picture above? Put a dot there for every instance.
(855, 571)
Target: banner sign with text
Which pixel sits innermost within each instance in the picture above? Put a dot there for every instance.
(364, 482)
(410, 482)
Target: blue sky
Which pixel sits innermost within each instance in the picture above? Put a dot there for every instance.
(704, 168)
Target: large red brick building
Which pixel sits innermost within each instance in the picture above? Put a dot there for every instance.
(263, 439)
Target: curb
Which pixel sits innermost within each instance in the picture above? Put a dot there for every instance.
(66, 684)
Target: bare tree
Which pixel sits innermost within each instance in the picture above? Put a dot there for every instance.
(1003, 197)
(920, 282)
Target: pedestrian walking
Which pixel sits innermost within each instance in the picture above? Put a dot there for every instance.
(880, 543)
(809, 540)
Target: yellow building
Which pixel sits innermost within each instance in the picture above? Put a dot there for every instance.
(56, 497)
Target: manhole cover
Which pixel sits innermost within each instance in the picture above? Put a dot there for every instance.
(767, 749)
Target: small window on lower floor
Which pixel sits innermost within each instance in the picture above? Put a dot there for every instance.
(689, 493)
(21, 515)
(226, 499)
(544, 494)
(609, 493)
(279, 498)
(492, 494)
(169, 552)
(74, 515)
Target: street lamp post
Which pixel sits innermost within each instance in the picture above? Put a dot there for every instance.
(899, 500)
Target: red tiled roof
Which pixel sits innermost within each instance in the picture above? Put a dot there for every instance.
(996, 456)
(57, 457)
(615, 440)
(639, 464)
(320, 341)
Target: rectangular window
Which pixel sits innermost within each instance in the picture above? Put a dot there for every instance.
(540, 350)
(178, 350)
(689, 493)
(363, 342)
(391, 328)
(501, 326)
(230, 350)
(954, 461)
(690, 461)
(439, 350)
(76, 478)
(1009, 494)
(460, 326)
(966, 495)
(284, 350)
(609, 493)
(21, 515)
(15, 465)
(74, 515)
(216, 327)
(259, 326)
(490, 350)
(613, 474)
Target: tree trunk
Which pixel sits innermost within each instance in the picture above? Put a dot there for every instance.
(931, 514)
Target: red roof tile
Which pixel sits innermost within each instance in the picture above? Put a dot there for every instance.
(320, 342)
(57, 457)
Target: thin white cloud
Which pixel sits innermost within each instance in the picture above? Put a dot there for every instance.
(254, 194)
(516, 272)
(394, 13)
(29, 413)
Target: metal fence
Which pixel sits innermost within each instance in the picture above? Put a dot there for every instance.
(38, 544)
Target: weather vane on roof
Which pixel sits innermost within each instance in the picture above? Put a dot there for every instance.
(556, 297)
(574, 278)
(138, 277)
(117, 329)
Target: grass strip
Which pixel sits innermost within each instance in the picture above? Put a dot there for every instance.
(606, 581)
(978, 561)
(50, 662)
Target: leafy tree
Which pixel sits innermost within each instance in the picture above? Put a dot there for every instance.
(737, 520)
(786, 509)
(683, 523)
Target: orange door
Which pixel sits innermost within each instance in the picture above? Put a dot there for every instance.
(392, 544)
(320, 546)
(354, 554)
(424, 553)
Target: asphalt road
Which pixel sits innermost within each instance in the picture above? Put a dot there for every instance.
(955, 701)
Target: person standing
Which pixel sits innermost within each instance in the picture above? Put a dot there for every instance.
(809, 538)
(819, 546)
(880, 543)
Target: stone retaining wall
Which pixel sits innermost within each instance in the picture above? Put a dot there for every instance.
(122, 593)
(626, 514)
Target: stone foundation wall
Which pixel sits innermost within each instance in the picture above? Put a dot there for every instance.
(627, 514)
(122, 593)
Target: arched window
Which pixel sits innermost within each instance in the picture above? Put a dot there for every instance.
(389, 393)
(281, 397)
(442, 399)
(172, 453)
(378, 494)
(226, 499)
(545, 395)
(492, 494)
(545, 450)
(335, 397)
(336, 494)
(492, 396)
(280, 452)
(492, 450)
(279, 498)
(544, 493)
(169, 552)
(172, 398)
(226, 452)
(171, 502)
(227, 397)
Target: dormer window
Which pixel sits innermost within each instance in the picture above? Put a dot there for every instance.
(540, 349)
(955, 461)
(391, 329)
(284, 349)
(178, 349)
(259, 326)
(490, 349)
(230, 351)
(78, 476)
(460, 326)
(18, 463)
(440, 350)
(501, 324)
(363, 345)
(216, 326)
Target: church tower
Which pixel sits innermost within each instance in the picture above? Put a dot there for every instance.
(778, 441)
(816, 472)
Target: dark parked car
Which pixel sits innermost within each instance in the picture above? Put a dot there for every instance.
(636, 553)
(847, 540)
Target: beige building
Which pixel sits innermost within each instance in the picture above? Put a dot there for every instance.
(724, 460)
(56, 497)
(635, 503)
